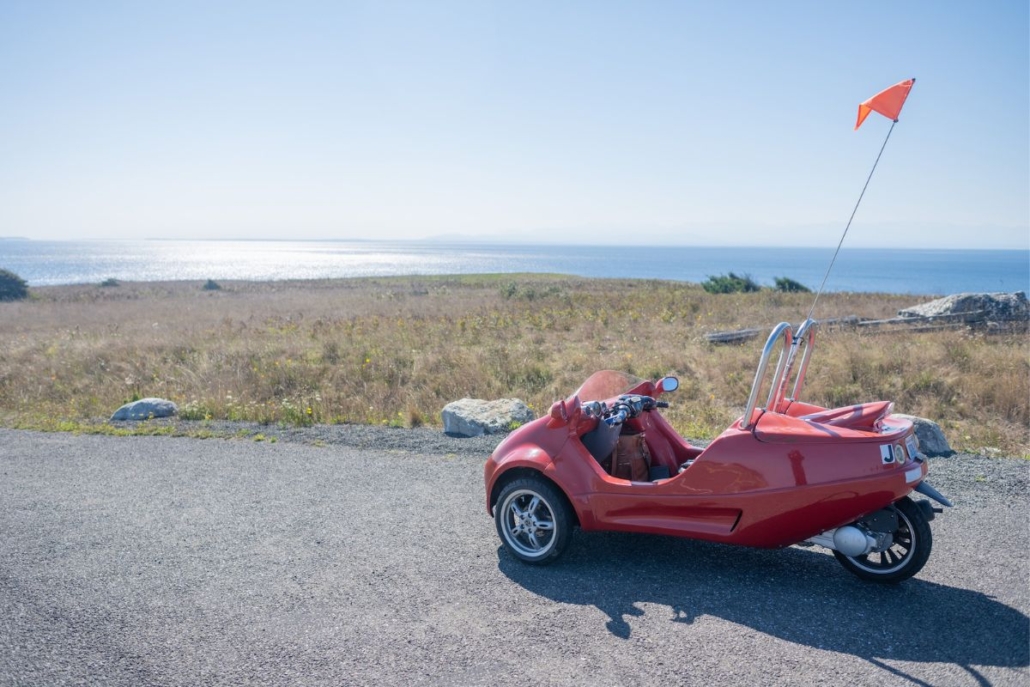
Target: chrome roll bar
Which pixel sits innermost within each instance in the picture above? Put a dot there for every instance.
(788, 357)
(782, 329)
(807, 327)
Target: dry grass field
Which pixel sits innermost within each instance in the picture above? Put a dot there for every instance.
(395, 351)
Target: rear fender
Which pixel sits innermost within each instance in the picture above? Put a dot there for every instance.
(864, 416)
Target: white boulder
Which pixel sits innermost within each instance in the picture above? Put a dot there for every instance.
(473, 417)
(145, 409)
(992, 307)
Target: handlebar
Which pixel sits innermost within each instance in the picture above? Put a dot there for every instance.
(628, 407)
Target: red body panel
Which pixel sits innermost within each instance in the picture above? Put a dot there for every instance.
(785, 480)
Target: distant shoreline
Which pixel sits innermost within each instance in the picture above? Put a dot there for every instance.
(252, 285)
(856, 270)
(323, 282)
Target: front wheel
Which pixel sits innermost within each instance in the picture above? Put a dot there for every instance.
(906, 555)
(533, 520)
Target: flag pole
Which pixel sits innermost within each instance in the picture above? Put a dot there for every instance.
(841, 242)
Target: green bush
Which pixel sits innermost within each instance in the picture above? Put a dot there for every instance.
(790, 286)
(511, 290)
(110, 281)
(12, 287)
(730, 283)
(212, 285)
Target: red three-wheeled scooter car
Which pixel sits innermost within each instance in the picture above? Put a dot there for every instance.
(783, 474)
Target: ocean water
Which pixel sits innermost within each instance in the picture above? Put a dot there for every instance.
(906, 271)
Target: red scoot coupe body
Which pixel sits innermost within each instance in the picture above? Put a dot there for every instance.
(785, 474)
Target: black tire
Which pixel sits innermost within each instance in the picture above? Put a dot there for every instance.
(905, 557)
(534, 521)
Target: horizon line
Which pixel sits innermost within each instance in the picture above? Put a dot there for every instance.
(444, 240)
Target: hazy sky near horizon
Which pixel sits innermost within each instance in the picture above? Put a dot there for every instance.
(710, 123)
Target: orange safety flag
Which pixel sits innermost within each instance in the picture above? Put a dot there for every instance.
(887, 102)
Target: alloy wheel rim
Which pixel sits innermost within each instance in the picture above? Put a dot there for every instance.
(529, 525)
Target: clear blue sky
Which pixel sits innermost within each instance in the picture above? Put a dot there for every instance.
(715, 123)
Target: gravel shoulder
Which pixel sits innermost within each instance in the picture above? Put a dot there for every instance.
(426, 440)
(364, 555)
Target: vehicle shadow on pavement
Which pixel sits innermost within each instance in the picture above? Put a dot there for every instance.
(798, 595)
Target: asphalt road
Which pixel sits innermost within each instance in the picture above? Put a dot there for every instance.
(170, 561)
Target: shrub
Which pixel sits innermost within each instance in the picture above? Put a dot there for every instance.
(211, 285)
(790, 286)
(12, 287)
(730, 283)
(529, 292)
(110, 281)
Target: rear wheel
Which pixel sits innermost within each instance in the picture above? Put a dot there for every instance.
(533, 520)
(907, 553)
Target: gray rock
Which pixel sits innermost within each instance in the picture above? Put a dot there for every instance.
(471, 417)
(993, 307)
(145, 409)
(932, 441)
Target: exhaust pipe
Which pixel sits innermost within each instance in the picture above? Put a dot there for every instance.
(851, 541)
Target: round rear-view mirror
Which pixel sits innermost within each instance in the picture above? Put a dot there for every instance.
(668, 384)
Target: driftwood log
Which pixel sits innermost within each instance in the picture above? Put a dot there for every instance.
(997, 313)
